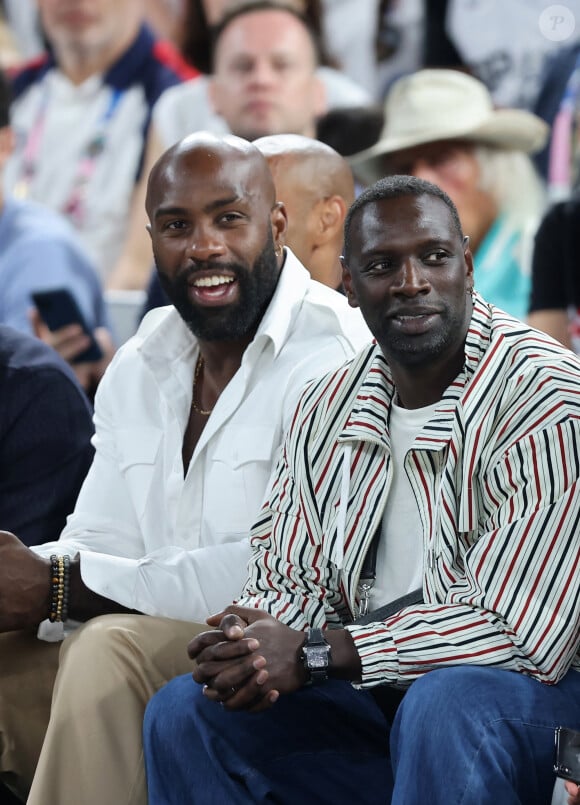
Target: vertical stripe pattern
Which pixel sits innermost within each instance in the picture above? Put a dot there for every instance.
(496, 472)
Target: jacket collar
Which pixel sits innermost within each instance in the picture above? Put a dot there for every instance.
(369, 416)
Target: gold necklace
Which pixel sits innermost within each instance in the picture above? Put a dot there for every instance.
(194, 405)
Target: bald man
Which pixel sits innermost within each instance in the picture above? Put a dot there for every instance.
(189, 418)
(316, 186)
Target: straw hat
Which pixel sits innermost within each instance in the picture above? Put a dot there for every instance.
(432, 105)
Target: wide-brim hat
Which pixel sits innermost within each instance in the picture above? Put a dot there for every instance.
(433, 105)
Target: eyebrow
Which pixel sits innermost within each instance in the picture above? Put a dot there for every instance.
(213, 205)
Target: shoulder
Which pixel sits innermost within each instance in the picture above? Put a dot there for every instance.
(29, 74)
(332, 395)
(26, 361)
(341, 90)
(32, 227)
(522, 362)
(321, 311)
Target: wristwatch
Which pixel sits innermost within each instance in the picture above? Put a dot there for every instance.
(315, 655)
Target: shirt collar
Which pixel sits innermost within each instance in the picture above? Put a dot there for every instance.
(368, 419)
(171, 340)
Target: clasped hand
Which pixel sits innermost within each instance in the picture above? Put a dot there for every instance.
(24, 585)
(248, 660)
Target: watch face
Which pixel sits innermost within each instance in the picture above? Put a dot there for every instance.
(317, 657)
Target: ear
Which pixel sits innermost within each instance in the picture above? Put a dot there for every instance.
(279, 221)
(347, 284)
(468, 257)
(330, 219)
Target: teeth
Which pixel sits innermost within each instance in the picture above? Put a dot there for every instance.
(208, 282)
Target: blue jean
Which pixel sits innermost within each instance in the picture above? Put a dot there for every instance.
(465, 735)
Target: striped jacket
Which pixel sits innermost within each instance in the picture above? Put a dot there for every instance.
(495, 474)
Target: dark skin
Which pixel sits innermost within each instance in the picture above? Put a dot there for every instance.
(410, 271)
(211, 203)
(207, 200)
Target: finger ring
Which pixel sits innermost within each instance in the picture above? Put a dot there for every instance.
(233, 690)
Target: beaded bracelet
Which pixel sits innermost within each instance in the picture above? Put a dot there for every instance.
(59, 587)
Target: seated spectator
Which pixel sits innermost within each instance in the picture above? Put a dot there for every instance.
(507, 46)
(81, 114)
(559, 105)
(189, 420)
(264, 82)
(316, 186)
(39, 251)
(376, 41)
(443, 459)
(555, 299)
(246, 32)
(441, 126)
(45, 431)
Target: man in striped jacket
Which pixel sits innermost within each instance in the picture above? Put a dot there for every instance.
(455, 439)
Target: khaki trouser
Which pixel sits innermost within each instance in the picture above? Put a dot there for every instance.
(86, 746)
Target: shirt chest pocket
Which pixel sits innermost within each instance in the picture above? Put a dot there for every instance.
(138, 451)
(237, 476)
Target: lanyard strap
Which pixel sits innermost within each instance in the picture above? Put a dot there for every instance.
(368, 572)
(74, 206)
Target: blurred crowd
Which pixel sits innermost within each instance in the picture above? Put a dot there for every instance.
(98, 90)
(479, 97)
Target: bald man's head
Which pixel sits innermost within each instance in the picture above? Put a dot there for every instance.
(316, 186)
(205, 152)
(318, 167)
(216, 228)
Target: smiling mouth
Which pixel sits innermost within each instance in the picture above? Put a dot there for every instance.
(213, 289)
(212, 282)
(415, 323)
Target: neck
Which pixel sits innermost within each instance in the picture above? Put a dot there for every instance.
(79, 64)
(325, 268)
(423, 385)
(223, 359)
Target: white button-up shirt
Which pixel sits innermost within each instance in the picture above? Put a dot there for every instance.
(163, 544)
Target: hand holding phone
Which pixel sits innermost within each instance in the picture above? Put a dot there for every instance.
(58, 308)
(567, 763)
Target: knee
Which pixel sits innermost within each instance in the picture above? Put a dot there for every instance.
(440, 696)
(167, 712)
(101, 643)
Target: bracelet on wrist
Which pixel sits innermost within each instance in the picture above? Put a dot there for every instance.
(59, 588)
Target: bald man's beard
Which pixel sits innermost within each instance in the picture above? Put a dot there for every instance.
(238, 319)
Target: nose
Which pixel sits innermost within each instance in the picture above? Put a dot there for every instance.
(262, 72)
(423, 169)
(412, 279)
(205, 244)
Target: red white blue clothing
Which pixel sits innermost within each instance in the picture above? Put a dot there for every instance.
(496, 475)
(79, 149)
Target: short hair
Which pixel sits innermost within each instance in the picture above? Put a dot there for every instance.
(265, 5)
(196, 36)
(5, 99)
(395, 187)
(351, 129)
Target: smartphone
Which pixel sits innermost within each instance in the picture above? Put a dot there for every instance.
(567, 764)
(58, 307)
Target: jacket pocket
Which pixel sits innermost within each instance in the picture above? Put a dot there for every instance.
(138, 450)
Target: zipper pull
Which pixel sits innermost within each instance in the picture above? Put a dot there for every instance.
(364, 590)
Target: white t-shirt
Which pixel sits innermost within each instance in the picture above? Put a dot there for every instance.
(400, 553)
